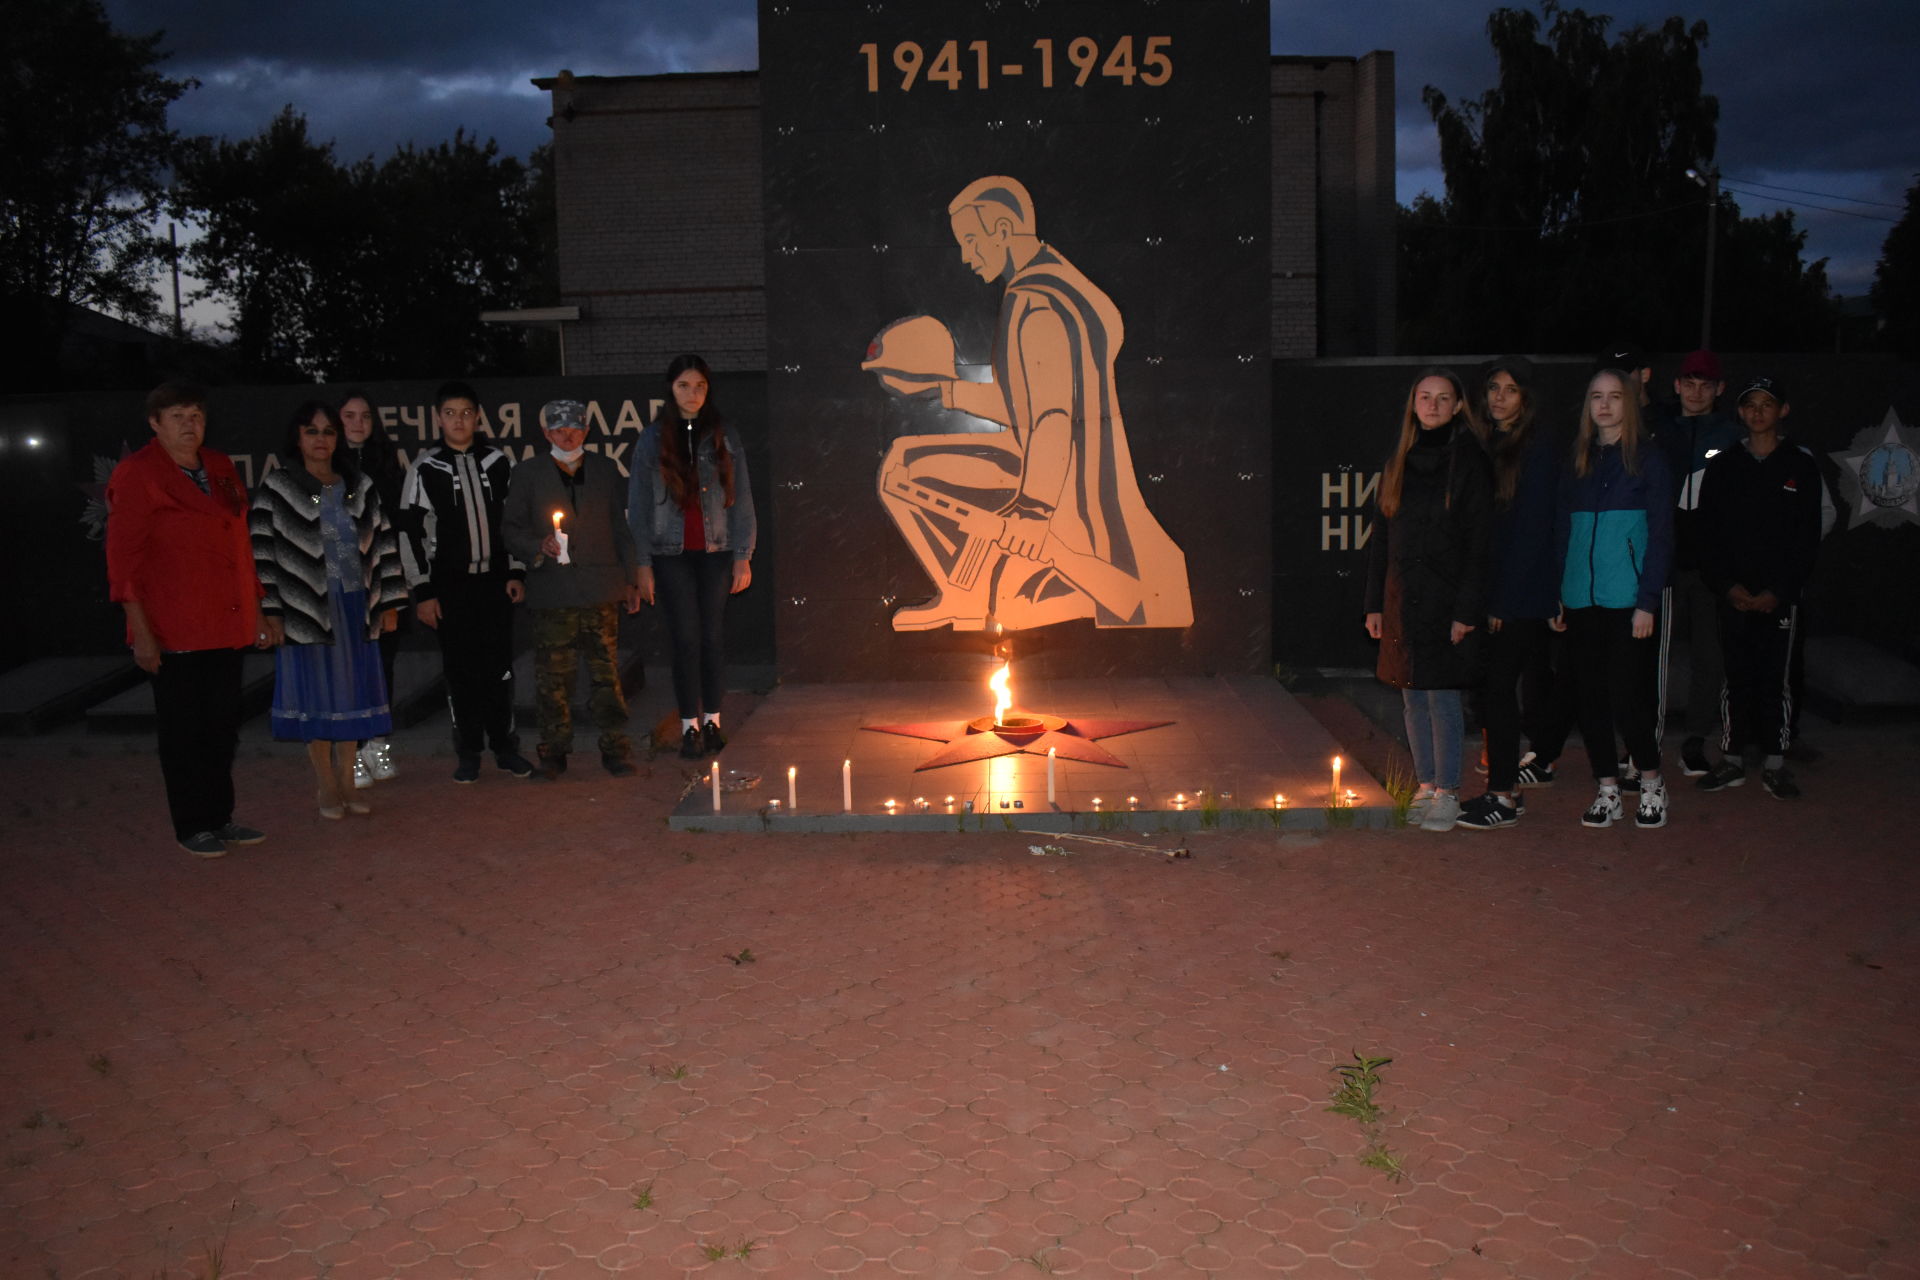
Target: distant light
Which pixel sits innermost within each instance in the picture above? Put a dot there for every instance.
(33, 442)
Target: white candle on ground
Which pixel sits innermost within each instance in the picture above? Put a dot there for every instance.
(1336, 777)
(714, 773)
(846, 786)
(1051, 797)
(791, 771)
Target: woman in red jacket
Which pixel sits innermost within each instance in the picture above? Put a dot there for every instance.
(179, 564)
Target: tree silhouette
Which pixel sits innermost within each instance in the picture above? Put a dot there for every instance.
(1570, 219)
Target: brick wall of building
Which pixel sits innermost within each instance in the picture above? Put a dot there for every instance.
(662, 221)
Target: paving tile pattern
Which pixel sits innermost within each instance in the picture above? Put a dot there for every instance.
(524, 1031)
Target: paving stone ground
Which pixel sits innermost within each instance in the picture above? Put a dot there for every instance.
(523, 1031)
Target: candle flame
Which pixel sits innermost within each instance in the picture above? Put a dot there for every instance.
(556, 522)
(1002, 686)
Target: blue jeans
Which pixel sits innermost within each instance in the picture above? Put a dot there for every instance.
(1434, 726)
(691, 588)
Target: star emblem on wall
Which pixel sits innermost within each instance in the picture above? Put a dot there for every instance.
(969, 740)
(1880, 474)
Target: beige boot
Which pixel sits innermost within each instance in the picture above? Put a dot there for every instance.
(344, 754)
(320, 755)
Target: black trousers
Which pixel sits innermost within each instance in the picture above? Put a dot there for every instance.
(692, 590)
(1757, 703)
(196, 704)
(1611, 673)
(1522, 691)
(476, 652)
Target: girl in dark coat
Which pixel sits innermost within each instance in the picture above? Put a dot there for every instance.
(366, 448)
(1523, 598)
(1426, 580)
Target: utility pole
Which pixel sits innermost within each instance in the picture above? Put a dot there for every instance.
(1711, 181)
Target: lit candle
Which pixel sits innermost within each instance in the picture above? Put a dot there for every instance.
(791, 802)
(949, 804)
(920, 803)
(774, 804)
(1180, 800)
(1133, 802)
(714, 773)
(846, 786)
(1051, 797)
(560, 536)
(890, 806)
(1336, 776)
(1096, 804)
(1279, 800)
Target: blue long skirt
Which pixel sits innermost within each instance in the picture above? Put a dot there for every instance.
(332, 692)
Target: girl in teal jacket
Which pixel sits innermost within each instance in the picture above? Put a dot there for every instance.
(1614, 541)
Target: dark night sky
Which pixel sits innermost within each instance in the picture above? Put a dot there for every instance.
(1812, 97)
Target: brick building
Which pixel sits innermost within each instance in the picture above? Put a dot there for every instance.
(655, 273)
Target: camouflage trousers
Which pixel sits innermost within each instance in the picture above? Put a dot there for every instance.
(560, 636)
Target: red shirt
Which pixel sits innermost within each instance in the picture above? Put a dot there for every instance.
(181, 554)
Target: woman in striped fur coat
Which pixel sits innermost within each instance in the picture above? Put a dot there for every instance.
(330, 569)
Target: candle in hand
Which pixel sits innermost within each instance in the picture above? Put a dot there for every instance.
(560, 536)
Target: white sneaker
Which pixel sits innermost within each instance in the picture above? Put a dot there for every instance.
(362, 775)
(1442, 813)
(1653, 805)
(378, 754)
(1605, 810)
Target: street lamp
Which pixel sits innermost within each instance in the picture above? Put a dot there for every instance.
(1711, 181)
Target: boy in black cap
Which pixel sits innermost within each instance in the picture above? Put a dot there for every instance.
(1759, 526)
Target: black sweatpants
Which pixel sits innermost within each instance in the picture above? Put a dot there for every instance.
(1611, 672)
(1756, 704)
(476, 652)
(196, 705)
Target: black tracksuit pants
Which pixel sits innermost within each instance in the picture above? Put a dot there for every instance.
(476, 652)
(1756, 703)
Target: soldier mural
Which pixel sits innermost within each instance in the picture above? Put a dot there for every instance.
(1042, 521)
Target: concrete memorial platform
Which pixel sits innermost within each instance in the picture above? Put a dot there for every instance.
(1217, 753)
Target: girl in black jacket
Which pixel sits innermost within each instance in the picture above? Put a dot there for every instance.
(1426, 580)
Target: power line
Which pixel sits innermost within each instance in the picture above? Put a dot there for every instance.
(1801, 204)
(1824, 195)
(1580, 225)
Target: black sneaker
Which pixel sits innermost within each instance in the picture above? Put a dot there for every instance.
(711, 737)
(1728, 773)
(1489, 812)
(1780, 784)
(468, 769)
(514, 763)
(690, 748)
(1628, 775)
(204, 844)
(1693, 758)
(234, 833)
(1534, 774)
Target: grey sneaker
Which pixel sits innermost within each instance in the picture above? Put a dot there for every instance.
(1418, 806)
(204, 844)
(1442, 813)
